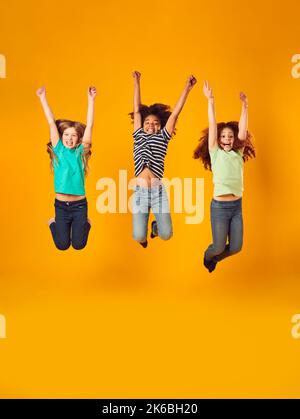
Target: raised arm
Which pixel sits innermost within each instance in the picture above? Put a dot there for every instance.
(212, 124)
(171, 123)
(243, 123)
(87, 136)
(137, 118)
(54, 135)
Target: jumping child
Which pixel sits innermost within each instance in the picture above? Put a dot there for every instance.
(153, 127)
(223, 149)
(69, 149)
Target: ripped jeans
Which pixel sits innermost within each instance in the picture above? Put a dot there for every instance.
(145, 198)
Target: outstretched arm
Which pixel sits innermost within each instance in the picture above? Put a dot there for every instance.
(87, 136)
(171, 123)
(54, 135)
(212, 124)
(137, 118)
(243, 123)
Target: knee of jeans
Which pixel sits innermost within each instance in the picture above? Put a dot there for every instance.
(78, 246)
(165, 234)
(139, 236)
(219, 248)
(63, 246)
(234, 250)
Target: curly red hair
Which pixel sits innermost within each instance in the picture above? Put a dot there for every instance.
(201, 151)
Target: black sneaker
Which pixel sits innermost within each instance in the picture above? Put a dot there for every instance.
(210, 264)
(144, 244)
(153, 234)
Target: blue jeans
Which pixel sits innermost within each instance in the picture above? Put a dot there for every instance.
(226, 221)
(144, 199)
(70, 225)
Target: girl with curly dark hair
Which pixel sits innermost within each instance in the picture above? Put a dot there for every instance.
(69, 150)
(223, 148)
(153, 128)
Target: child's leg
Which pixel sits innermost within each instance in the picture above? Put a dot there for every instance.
(140, 214)
(160, 207)
(220, 221)
(80, 225)
(61, 227)
(235, 234)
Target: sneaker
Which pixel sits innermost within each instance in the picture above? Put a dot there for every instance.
(153, 233)
(210, 264)
(144, 244)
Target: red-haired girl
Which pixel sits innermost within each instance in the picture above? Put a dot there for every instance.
(223, 149)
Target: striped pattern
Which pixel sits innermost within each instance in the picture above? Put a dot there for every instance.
(150, 150)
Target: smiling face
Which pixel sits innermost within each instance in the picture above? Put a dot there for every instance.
(70, 137)
(226, 139)
(151, 124)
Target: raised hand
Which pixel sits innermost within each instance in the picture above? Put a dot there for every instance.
(92, 92)
(41, 91)
(207, 90)
(136, 75)
(54, 135)
(191, 81)
(244, 98)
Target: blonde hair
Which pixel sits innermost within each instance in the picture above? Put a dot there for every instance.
(62, 125)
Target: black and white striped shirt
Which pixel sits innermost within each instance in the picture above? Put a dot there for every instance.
(150, 150)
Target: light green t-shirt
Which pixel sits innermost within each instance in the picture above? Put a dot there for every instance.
(227, 168)
(68, 169)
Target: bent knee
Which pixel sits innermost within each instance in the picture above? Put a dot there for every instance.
(219, 249)
(62, 246)
(235, 250)
(165, 235)
(139, 237)
(78, 246)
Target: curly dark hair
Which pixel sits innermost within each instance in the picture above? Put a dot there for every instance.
(201, 151)
(63, 124)
(161, 111)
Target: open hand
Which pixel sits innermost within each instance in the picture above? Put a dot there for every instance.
(207, 90)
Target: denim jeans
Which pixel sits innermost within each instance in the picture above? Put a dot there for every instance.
(226, 221)
(144, 199)
(70, 225)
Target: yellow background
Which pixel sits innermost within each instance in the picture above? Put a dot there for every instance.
(116, 320)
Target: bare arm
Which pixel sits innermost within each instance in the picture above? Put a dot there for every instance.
(54, 135)
(212, 124)
(137, 118)
(87, 136)
(172, 120)
(243, 123)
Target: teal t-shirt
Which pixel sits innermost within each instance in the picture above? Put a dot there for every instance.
(68, 169)
(227, 168)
